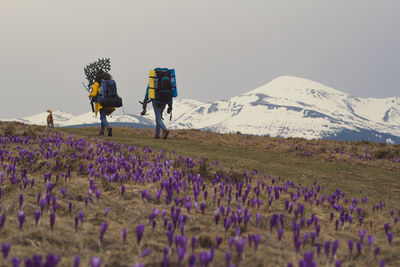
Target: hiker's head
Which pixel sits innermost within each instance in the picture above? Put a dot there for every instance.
(102, 75)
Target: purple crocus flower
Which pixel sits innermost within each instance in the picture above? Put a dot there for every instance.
(123, 232)
(351, 245)
(327, 246)
(202, 207)
(280, 234)
(21, 219)
(145, 253)
(305, 238)
(21, 201)
(216, 217)
(38, 213)
(98, 193)
(335, 247)
(240, 247)
(376, 251)
(52, 220)
(63, 191)
(318, 248)
(49, 187)
(386, 226)
(123, 189)
(42, 203)
(338, 263)
(76, 223)
(361, 233)
(35, 261)
(228, 257)
(80, 214)
(256, 241)
(307, 259)
(313, 236)
(359, 247)
(382, 263)
(39, 196)
(193, 243)
(70, 207)
(165, 251)
(390, 237)
(5, 248)
(77, 261)
(192, 260)
(139, 232)
(103, 228)
(165, 262)
(16, 262)
(238, 232)
(218, 241)
(95, 262)
(106, 211)
(188, 206)
(370, 240)
(170, 236)
(258, 217)
(181, 254)
(51, 260)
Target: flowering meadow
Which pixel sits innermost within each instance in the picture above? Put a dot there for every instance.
(69, 198)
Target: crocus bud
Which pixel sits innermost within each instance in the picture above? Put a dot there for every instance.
(21, 219)
(5, 249)
(52, 220)
(95, 262)
(77, 261)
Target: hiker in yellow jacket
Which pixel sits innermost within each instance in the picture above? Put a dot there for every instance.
(101, 75)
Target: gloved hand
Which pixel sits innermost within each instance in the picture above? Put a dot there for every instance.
(169, 110)
(144, 106)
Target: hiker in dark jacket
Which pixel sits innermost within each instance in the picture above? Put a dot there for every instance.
(158, 110)
(102, 75)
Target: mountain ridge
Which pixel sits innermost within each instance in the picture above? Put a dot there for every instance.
(286, 107)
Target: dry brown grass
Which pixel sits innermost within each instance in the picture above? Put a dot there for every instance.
(272, 157)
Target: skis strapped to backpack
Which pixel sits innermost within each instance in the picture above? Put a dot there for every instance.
(108, 96)
(162, 85)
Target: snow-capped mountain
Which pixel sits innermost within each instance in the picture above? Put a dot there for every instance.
(296, 107)
(287, 107)
(64, 119)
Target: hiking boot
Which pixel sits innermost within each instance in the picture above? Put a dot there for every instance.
(101, 133)
(165, 134)
(156, 137)
(109, 130)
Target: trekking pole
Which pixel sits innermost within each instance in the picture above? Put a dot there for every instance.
(91, 104)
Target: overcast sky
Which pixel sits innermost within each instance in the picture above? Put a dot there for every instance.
(219, 48)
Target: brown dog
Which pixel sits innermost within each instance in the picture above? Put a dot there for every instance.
(50, 121)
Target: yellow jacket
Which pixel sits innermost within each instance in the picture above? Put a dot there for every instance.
(95, 92)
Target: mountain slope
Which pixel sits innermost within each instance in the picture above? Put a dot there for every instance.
(295, 107)
(287, 107)
(64, 119)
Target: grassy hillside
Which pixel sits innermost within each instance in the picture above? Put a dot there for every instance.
(257, 187)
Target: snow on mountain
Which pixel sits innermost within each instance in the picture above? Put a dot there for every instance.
(295, 107)
(64, 119)
(287, 107)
